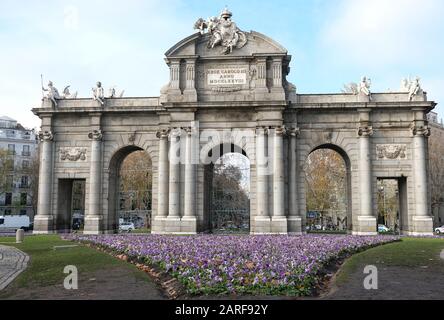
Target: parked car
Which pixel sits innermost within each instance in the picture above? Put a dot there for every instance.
(126, 227)
(439, 230)
(15, 222)
(382, 228)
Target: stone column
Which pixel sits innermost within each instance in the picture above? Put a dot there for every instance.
(93, 220)
(44, 221)
(279, 220)
(189, 219)
(366, 221)
(174, 182)
(294, 219)
(163, 175)
(422, 221)
(262, 218)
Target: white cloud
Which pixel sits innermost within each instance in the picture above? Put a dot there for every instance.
(378, 32)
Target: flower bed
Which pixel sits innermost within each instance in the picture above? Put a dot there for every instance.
(209, 264)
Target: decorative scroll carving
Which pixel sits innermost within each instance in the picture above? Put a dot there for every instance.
(95, 135)
(73, 154)
(420, 130)
(294, 132)
(365, 131)
(391, 151)
(46, 136)
(280, 131)
(163, 134)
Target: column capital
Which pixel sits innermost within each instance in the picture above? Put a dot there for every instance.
(262, 131)
(95, 135)
(365, 131)
(175, 132)
(293, 132)
(419, 130)
(188, 130)
(46, 136)
(163, 134)
(280, 130)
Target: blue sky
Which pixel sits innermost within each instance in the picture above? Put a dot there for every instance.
(122, 44)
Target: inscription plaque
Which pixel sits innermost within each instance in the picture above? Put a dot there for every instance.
(227, 76)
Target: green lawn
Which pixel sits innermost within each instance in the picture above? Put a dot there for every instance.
(410, 252)
(46, 264)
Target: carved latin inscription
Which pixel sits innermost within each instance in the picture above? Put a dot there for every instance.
(73, 154)
(391, 151)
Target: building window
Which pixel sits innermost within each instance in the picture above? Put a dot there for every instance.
(25, 151)
(23, 212)
(24, 182)
(9, 181)
(25, 164)
(23, 199)
(10, 133)
(8, 199)
(11, 148)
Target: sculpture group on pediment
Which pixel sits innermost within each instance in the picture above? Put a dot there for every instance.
(223, 31)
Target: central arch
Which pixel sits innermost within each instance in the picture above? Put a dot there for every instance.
(338, 221)
(227, 205)
(114, 188)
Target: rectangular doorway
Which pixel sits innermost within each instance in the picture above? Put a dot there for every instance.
(70, 205)
(392, 205)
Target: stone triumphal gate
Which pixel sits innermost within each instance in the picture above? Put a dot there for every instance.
(228, 93)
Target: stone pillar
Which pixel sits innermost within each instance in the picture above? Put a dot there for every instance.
(422, 222)
(93, 220)
(189, 220)
(261, 75)
(175, 76)
(44, 220)
(173, 223)
(294, 219)
(279, 220)
(366, 220)
(262, 218)
(277, 72)
(163, 175)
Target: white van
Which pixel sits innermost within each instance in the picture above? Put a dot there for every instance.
(14, 223)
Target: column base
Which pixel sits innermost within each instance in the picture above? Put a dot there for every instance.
(261, 225)
(158, 225)
(295, 226)
(43, 225)
(365, 226)
(421, 226)
(188, 225)
(93, 225)
(279, 225)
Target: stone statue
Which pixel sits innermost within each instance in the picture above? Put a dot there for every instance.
(351, 87)
(364, 86)
(112, 93)
(414, 88)
(223, 31)
(98, 93)
(405, 85)
(68, 95)
(53, 93)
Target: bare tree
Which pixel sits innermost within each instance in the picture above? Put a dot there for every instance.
(436, 165)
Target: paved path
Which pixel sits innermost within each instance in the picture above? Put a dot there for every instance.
(12, 263)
